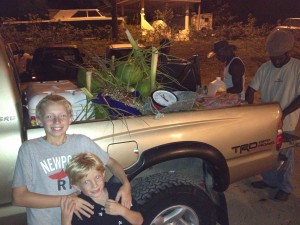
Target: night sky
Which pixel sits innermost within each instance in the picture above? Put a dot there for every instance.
(266, 10)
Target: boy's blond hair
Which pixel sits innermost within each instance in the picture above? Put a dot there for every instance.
(58, 99)
(81, 164)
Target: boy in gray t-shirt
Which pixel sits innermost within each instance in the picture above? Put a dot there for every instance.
(40, 181)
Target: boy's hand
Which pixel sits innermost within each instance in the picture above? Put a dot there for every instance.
(124, 194)
(67, 206)
(113, 208)
(82, 207)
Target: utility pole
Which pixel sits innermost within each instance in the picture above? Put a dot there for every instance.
(114, 15)
(198, 15)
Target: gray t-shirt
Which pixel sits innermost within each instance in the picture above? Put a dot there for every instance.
(41, 168)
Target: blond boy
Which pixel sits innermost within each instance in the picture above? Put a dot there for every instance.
(87, 175)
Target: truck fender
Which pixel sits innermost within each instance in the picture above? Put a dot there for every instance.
(162, 153)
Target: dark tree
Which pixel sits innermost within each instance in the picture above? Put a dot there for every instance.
(265, 11)
(21, 8)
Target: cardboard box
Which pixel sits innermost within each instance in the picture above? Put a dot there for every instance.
(35, 91)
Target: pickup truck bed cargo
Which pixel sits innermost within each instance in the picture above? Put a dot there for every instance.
(182, 162)
(36, 91)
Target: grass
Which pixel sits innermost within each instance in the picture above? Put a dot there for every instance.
(250, 50)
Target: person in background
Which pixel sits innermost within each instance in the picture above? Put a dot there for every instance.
(278, 80)
(22, 60)
(87, 175)
(40, 180)
(234, 68)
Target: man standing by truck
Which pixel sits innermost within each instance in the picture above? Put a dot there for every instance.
(21, 58)
(234, 68)
(278, 80)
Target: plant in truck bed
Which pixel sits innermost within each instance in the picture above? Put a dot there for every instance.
(122, 86)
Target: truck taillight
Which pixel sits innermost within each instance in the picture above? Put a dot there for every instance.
(33, 76)
(279, 138)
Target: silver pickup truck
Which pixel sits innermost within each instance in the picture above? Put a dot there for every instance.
(179, 165)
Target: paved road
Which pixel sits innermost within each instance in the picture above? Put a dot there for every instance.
(248, 206)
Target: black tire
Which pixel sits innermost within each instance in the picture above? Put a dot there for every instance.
(169, 198)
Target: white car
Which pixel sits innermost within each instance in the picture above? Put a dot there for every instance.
(291, 24)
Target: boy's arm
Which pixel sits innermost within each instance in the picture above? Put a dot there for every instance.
(67, 206)
(124, 192)
(114, 208)
(22, 197)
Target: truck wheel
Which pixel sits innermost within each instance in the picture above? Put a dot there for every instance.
(169, 198)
